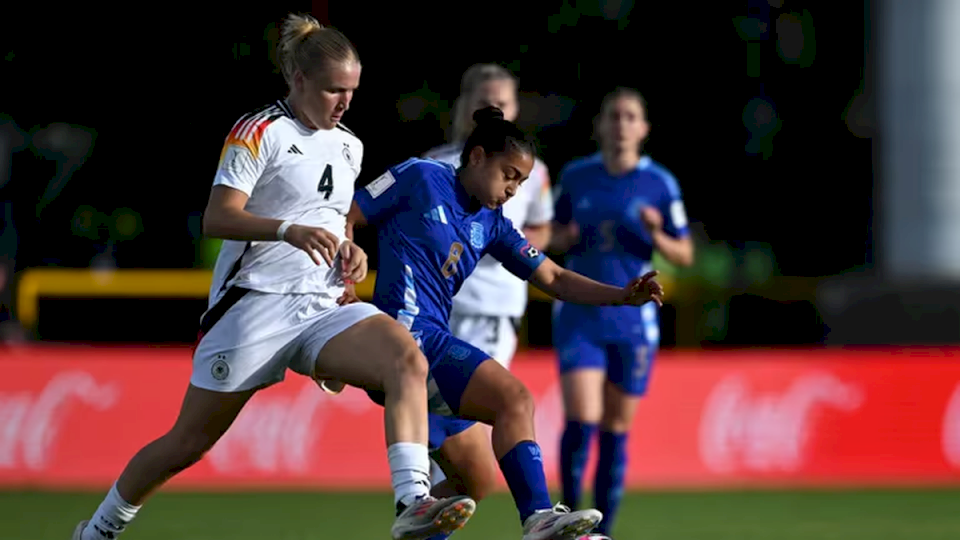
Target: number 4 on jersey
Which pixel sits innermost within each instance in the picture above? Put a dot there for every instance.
(326, 183)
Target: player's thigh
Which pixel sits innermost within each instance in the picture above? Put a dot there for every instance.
(246, 345)
(583, 366)
(467, 458)
(357, 344)
(493, 334)
(464, 381)
(628, 378)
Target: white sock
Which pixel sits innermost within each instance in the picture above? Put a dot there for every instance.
(111, 518)
(436, 473)
(409, 471)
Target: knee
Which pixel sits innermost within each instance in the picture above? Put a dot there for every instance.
(412, 364)
(516, 401)
(407, 368)
(615, 424)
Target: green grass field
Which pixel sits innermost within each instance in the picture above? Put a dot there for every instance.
(773, 515)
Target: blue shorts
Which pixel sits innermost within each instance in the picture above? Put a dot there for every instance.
(452, 363)
(442, 427)
(628, 363)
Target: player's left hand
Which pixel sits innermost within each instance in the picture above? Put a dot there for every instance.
(644, 289)
(652, 218)
(354, 262)
(349, 295)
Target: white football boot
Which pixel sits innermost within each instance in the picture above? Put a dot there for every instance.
(560, 523)
(428, 517)
(78, 531)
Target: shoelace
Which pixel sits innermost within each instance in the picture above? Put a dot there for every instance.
(561, 509)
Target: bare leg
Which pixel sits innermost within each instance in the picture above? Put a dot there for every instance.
(204, 417)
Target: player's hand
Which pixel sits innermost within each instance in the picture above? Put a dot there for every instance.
(354, 262)
(349, 295)
(651, 218)
(644, 289)
(313, 240)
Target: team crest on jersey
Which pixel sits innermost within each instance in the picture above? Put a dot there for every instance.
(347, 155)
(220, 370)
(476, 235)
(458, 353)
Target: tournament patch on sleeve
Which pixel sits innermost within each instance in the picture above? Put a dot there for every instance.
(380, 185)
(678, 214)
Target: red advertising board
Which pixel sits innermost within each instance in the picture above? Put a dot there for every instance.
(72, 416)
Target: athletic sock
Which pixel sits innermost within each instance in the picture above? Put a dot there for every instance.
(574, 449)
(409, 471)
(611, 472)
(111, 518)
(522, 468)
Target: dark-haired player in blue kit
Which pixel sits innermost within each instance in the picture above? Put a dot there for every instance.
(614, 208)
(435, 222)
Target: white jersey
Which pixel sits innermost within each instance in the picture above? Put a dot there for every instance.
(291, 173)
(491, 289)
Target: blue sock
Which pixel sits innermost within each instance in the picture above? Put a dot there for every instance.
(522, 468)
(440, 537)
(611, 473)
(574, 448)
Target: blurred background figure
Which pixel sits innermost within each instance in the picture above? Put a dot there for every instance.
(614, 208)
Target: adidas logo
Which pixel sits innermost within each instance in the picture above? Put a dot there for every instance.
(437, 214)
(294, 150)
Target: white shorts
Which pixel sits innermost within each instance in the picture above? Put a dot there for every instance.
(261, 335)
(494, 335)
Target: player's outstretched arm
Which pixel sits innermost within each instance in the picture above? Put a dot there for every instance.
(569, 286)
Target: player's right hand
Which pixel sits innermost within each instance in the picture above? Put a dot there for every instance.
(644, 289)
(313, 240)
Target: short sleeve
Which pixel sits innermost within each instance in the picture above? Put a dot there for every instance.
(563, 207)
(672, 208)
(246, 153)
(516, 254)
(383, 197)
(540, 209)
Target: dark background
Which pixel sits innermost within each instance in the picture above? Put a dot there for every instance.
(159, 91)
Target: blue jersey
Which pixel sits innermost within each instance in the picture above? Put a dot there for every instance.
(431, 237)
(614, 246)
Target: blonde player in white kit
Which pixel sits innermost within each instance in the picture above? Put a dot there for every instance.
(487, 309)
(280, 199)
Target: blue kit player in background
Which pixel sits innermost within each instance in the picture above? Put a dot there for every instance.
(613, 209)
(434, 223)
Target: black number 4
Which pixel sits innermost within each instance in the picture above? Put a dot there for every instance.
(326, 183)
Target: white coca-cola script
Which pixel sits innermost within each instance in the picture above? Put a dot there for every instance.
(280, 433)
(30, 422)
(950, 440)
(768, 432)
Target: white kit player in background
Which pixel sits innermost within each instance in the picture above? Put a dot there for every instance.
(280, 197)
(488, 309)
